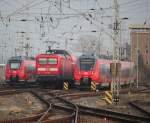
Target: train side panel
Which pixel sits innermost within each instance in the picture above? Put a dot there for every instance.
(100, 74)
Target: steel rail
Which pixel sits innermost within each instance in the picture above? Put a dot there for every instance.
(113, 115)
(133, 104)
(25, 118)
(74, 110)
(72, 105)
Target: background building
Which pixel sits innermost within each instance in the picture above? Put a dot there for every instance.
(140, 49)
(125, 52)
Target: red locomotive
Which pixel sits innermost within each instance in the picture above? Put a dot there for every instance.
(54, 67)
(20, 69)
(90, 69)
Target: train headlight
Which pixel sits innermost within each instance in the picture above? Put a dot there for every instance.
(92, 72)
(53, 69)
(41, 69)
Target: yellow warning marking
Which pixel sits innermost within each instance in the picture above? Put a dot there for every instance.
(108, 101)
(65, 85)
(108, 94)
(93, 86)
(108, 97)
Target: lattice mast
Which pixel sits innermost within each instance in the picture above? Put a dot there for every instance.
(116, 51)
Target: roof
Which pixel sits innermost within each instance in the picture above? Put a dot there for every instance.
(21, 58)
(139, 26)
(56, 51)
(87, 56)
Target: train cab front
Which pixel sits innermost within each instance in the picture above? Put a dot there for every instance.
(13, 71)
(47, 69)
(84, 71)
(85, 79)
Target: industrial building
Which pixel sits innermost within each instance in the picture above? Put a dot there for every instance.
(140, 48)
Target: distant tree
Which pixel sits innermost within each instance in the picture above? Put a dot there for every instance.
(89, 43)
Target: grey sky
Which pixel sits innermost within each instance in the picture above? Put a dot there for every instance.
(62, 21)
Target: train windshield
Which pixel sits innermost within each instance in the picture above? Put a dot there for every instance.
(87, 64)
(52, 61)
(15, 65)
(42, 60)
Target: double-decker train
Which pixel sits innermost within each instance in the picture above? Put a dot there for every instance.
(20, 69)
(54, 67)
(90, 69)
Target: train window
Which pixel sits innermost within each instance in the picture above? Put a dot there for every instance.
(108, 70)
(86, 65)
(102, 69)
(15, 65)
(42, 61)
(52, 61)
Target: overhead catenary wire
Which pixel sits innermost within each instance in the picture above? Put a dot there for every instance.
(129, 3)
(19, 9)
(95, 13)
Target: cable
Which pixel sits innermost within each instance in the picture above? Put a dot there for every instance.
(20, 8)
(129, 3)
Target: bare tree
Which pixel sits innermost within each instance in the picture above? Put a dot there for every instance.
(89, 43)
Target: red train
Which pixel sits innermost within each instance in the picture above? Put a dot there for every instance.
(90, 69)
(54, 67)
(20, 69)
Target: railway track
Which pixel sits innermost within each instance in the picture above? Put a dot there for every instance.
(94, 112)
(23, 119)
(113, 115)
(52, 114)
(60, 109)
(58, 103)
(140, 107)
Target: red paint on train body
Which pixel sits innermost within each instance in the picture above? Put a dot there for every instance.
(54, 67)
(19, 69)
(89, 68)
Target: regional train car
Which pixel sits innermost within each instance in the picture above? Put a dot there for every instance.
(89, 70)
(20, 69)
(54, 67)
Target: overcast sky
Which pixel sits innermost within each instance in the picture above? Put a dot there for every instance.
(37, 21)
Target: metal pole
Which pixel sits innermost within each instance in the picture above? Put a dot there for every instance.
(137, 60)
